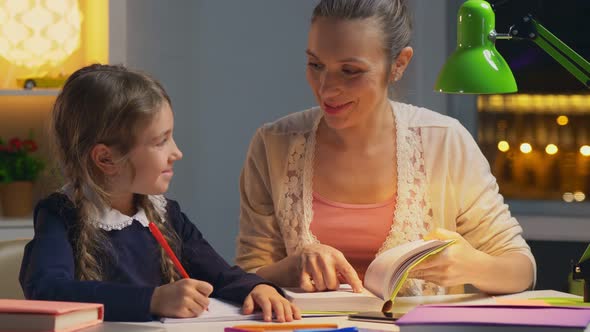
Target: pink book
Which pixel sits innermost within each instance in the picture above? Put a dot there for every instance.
(495, 317)
(30, 315)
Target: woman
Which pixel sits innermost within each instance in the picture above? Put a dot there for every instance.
(325, 190)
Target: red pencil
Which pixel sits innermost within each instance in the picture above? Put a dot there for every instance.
(162, 241)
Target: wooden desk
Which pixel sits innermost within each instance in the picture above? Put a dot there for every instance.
(402, 304)
(342, 321)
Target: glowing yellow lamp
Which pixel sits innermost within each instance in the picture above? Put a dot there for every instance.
(526, 148)
(551, 149)
(38, 32)
(503, 146)
(579, 196)
(562, 120)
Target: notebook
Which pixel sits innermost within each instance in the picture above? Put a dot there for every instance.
(30, 315)
(219, 311)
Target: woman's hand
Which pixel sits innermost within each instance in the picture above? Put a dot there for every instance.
(323, 267)
(183, 298)
(455, 265)
(269, 300)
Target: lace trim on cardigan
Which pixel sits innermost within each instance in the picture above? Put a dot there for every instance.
(412, 217)
(291, 215)
(307, 236)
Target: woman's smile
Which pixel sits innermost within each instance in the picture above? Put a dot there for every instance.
(334, 108)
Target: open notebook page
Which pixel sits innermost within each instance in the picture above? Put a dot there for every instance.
(219, 311)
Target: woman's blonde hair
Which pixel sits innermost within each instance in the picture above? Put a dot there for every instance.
(103, 104)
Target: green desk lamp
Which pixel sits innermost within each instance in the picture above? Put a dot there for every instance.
(477, 67)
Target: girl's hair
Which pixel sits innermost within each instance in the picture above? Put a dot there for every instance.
(392, 17)
(103, 104)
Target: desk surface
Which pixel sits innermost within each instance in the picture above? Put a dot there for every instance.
(403, 304)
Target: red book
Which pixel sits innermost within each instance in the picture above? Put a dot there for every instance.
(30, 315)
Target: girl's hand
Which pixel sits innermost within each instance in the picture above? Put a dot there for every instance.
(323, 268)
(455, 265)
(269, 300)
(182, 299)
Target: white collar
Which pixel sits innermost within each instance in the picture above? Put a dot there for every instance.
(112, 219)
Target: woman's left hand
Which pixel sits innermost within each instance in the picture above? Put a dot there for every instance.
(455, 265)
(269, 300)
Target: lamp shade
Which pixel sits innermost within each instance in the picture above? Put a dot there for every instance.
(34, 32)
(475, 66)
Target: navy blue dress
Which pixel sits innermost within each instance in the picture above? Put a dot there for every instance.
(131, 269)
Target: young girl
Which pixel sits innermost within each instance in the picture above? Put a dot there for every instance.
(113, 132)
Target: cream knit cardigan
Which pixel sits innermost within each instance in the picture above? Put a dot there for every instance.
(443, 181)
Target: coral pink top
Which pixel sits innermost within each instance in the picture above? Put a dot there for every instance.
(357, 230)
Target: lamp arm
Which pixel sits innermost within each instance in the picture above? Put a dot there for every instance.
(558, 50)
(567, 57)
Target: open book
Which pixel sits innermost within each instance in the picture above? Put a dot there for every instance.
(383, 280)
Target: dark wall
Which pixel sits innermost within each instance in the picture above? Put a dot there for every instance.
(535, 71)
(554, 262)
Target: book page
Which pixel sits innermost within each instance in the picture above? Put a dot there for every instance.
(343, 300)
(343, 291)
(401, 274)
(386, 272)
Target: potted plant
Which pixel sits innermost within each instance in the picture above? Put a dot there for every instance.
(19, 168)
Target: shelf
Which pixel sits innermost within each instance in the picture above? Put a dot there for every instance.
(16, 228)
(26, 222)
(34, 92)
